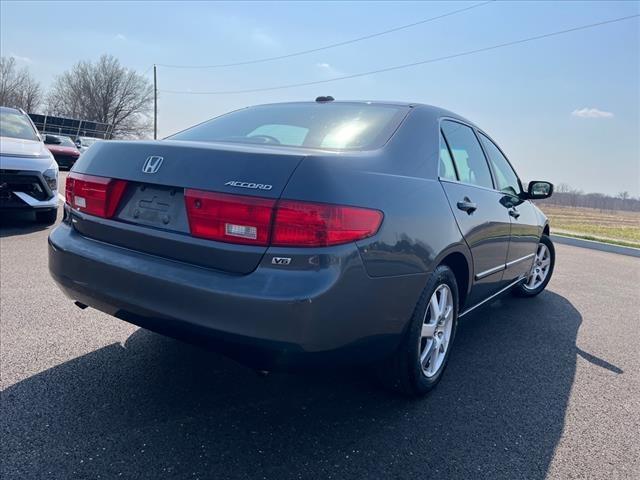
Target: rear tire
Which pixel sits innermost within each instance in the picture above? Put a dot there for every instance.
(418, 364)
(47, 217)
(541, 270)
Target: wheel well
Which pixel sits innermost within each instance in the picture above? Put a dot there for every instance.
(546, 230)
(458, 264)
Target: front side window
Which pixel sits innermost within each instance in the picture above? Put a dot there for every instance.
(506, 178)
(336, 126)
(16, 125)
(446, 169)
(467, 154)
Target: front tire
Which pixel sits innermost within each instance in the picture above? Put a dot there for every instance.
(541, 270)
(47, 217)
(418, 364)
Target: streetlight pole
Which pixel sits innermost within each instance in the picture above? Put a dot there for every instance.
(155, 104)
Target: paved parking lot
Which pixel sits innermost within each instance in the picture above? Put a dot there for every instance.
(547, 387)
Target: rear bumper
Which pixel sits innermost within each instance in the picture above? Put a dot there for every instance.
(275, 317)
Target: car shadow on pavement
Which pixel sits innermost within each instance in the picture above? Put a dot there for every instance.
(19, 223)
(156, 408)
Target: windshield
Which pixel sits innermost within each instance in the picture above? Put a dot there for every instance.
(337, 126)
(16, 125)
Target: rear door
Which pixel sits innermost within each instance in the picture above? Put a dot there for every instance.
(525, 229)
(480, 213)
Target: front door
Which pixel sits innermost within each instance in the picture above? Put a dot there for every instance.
(525, 230)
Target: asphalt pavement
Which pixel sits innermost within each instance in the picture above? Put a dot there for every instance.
(536, 388)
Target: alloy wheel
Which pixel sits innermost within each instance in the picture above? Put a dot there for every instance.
(540, 268)
(436, 330)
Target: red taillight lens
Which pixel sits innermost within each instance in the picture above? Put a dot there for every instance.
(304, 224)
(94, 195)
(262, 221)
(229, 218)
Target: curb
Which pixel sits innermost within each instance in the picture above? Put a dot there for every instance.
(593, 245)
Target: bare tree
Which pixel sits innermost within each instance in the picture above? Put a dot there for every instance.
(624, 197)
(104, 92)
(570, 197)
(17, 87)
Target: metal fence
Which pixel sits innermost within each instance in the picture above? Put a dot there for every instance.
(71, 127)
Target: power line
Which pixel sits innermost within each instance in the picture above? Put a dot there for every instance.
(407, 65)
(333, 45)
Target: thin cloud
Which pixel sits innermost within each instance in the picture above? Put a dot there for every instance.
(120, 36)
(261, 37)
(328, 68)
(591, 113)
(21, 58)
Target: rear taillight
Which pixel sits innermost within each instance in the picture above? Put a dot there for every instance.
(304, 224)
(229, 218)
(94, 195)
(261, 221)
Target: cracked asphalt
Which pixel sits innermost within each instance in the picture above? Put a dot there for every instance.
(536, 388)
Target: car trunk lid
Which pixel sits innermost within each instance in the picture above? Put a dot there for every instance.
(151, 215)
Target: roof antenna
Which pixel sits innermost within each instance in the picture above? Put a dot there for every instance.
(328, 98)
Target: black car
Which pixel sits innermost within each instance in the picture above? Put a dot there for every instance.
(306, 234)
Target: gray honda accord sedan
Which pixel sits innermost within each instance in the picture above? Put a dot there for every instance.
(306, 234)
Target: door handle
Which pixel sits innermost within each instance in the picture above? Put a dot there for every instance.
(514, 213)
(466, 205)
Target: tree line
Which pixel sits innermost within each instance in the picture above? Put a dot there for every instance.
(565, 195)
(104, 91)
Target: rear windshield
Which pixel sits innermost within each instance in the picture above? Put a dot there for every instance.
(16, 125)
(336, 126)
(66, 142)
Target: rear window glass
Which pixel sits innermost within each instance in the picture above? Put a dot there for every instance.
(66, 142)
(326, 126)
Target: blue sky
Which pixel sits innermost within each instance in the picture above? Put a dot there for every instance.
(564, 108)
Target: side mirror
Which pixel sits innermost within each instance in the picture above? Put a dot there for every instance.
(78, 143)
(538, 190)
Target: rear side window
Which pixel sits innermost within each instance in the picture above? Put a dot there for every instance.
(336, 126)
(467, 154)
(506, 178)
(446, 169)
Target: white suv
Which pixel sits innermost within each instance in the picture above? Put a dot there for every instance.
(28, 171)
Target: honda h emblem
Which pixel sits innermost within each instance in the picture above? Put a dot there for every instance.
(152, 164)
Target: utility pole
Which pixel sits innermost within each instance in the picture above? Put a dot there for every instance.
(155, 104)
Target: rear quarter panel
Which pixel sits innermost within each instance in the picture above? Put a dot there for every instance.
(400, 179)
